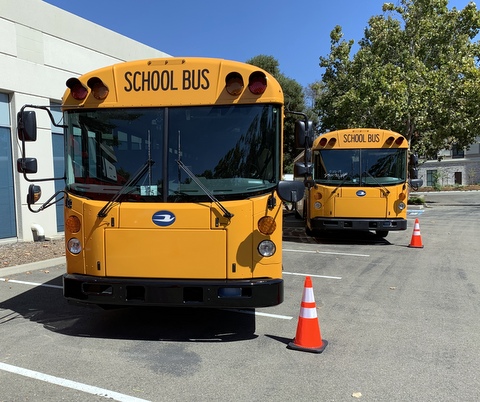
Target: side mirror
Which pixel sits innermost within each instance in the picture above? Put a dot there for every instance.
(416, 183)
(300, 170)
(413, 173)
(291, 191)
(414, 160)
(303, 135)
(27, 126)
(34, 194)
(27, 165)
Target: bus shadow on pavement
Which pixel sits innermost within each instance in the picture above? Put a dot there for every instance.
(46, 306)
(294, 231)
(351, 237)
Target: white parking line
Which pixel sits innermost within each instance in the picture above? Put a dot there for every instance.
(259, 313)
(30, 283)
(326, 252)
(313, 275)
(70, 384)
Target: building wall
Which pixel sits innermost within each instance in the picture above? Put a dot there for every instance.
(41, 46)
(450, 171)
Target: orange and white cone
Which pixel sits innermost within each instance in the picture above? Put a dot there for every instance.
(416, 241)
(308, 337)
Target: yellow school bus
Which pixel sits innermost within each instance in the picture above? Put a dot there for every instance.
(173, 193)
(356, 179)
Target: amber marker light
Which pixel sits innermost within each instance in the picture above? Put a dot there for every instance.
(402, 196)
(234, 84)
(266, 225)
(73, 224)
(99, 89)
(77, 90)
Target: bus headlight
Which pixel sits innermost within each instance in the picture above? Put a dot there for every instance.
(74, 245)
(266, 248)
(401, 206)
(318, 205)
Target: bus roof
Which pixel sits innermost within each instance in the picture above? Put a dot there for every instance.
(360, 138)
(171, 82)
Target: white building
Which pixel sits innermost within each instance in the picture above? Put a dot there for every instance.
(41, 46)
(455, 167)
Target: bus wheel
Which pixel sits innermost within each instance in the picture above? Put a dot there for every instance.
(382, 233)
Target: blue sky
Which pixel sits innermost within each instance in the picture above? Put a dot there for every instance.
(296, 33)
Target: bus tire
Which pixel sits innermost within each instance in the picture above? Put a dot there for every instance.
(381, 233)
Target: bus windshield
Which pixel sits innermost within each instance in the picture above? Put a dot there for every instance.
(360, 167)
(234, 151)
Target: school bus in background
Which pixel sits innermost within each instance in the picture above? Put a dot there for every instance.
(356, 179)
(173, 193)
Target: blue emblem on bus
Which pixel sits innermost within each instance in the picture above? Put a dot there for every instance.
(361, 193)
(163, 218)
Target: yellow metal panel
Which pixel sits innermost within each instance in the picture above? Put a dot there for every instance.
(372, 205)
(152, 253)
(187, 216)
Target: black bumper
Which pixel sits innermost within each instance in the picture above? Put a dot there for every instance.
(173, 292)
(322, 224)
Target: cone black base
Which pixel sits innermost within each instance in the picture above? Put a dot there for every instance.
(293, 346)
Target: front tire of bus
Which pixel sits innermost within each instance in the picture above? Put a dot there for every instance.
(382, 233)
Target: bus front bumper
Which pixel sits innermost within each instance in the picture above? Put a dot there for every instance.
(173, 292)
(323, 224)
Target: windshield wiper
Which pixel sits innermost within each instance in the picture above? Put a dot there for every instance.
(226, 214)
(341, 183)
(385, 190)
(131, 182)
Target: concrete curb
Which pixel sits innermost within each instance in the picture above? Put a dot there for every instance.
(31, 266)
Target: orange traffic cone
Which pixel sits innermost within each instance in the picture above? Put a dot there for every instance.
(416, 241)
(308, 337)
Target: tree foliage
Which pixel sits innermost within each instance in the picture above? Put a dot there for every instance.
(416, 72)
(294, 101)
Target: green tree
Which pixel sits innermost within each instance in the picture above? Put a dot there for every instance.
(294, 101)
(416, 72)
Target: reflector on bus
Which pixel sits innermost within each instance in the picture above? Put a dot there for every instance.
(257, 83)
(77, 90)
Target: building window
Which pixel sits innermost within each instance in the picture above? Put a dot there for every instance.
(8, 228)
(457, 152)
(431, 177)
(58, 160)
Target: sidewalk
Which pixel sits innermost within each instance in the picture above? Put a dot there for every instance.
(18, 269)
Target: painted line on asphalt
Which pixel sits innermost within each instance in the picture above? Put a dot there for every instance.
(326, 252)
(312, 275)
(70, 384)
(30, 283)
(282, 317)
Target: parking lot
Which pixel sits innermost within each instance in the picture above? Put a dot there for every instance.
(401, 325)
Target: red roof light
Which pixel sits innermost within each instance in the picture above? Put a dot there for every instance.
(257, 83)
